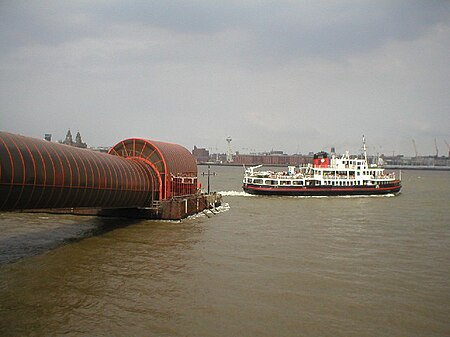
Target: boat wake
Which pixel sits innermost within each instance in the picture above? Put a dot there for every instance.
(235, 194)
(225, 207)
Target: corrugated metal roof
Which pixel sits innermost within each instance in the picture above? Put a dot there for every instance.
(165, 159)
(176, 159)
(39, 174)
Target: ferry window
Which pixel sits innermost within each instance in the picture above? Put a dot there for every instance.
(257, 181)
(249, 180)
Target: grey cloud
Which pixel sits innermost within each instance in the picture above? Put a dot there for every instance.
(278, 74)
(276, 29)
(345, 28)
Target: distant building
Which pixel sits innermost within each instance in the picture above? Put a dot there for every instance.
(103, 149)
(276, 153)
(200, 154)
(78, 141)
(271, 158)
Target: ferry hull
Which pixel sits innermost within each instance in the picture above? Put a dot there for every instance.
(322, 190)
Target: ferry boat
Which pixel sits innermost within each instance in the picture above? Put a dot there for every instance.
(325, 176)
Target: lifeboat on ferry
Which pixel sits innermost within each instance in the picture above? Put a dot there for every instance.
(321, 159)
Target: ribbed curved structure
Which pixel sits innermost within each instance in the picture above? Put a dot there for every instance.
(37, 174)
(173, 165)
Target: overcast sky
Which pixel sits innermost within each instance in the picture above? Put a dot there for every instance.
(296, 76)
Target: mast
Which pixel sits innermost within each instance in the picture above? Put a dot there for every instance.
(364, 148)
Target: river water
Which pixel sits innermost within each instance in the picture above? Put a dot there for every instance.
(262, 266)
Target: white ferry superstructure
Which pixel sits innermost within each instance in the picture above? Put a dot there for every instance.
(325, 176)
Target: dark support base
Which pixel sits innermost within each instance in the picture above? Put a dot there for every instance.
(172, 209)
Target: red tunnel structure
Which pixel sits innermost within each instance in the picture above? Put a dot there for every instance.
(173, 165)
(37, 174)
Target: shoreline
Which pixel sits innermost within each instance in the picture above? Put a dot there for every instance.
(388, 167)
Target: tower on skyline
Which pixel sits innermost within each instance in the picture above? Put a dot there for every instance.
(229, 153)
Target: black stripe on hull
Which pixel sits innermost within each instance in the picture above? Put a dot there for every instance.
(321, 191)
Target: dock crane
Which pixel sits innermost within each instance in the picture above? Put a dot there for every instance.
(446, 143)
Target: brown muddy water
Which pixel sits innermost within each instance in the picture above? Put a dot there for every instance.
(263, 266)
